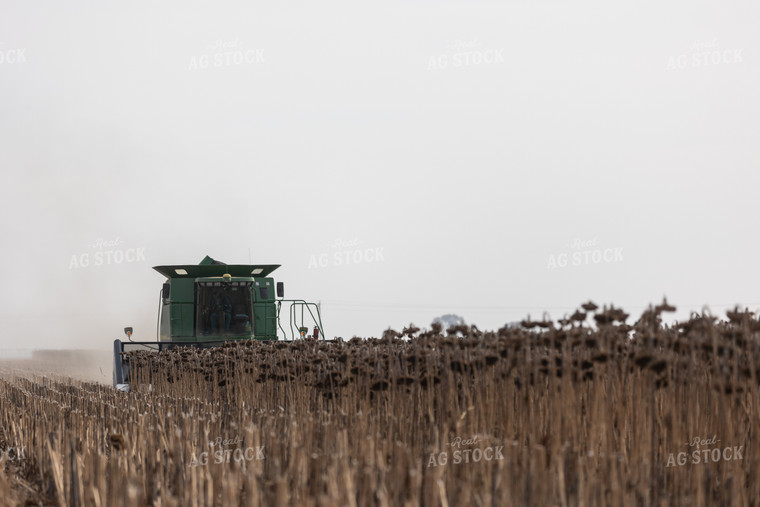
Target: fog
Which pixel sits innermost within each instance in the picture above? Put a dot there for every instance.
(400, 160)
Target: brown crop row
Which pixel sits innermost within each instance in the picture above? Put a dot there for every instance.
(555, 413)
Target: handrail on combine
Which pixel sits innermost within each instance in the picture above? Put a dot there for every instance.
(293, 317)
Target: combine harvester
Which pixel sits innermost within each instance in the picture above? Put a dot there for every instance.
(214, 303)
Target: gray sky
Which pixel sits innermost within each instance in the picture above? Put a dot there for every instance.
(463, 157)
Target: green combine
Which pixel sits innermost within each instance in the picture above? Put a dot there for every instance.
(211, 303)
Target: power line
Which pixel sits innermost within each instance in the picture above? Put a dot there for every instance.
(455, 307)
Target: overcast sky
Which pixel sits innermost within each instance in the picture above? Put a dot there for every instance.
(400, 160)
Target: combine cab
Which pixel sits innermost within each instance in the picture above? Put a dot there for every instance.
(211, 303)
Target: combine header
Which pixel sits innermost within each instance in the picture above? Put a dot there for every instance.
(212, 303)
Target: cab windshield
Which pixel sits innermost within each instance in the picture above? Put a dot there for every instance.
(224, 309)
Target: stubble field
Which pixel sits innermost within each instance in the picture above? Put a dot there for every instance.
(586, 411)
